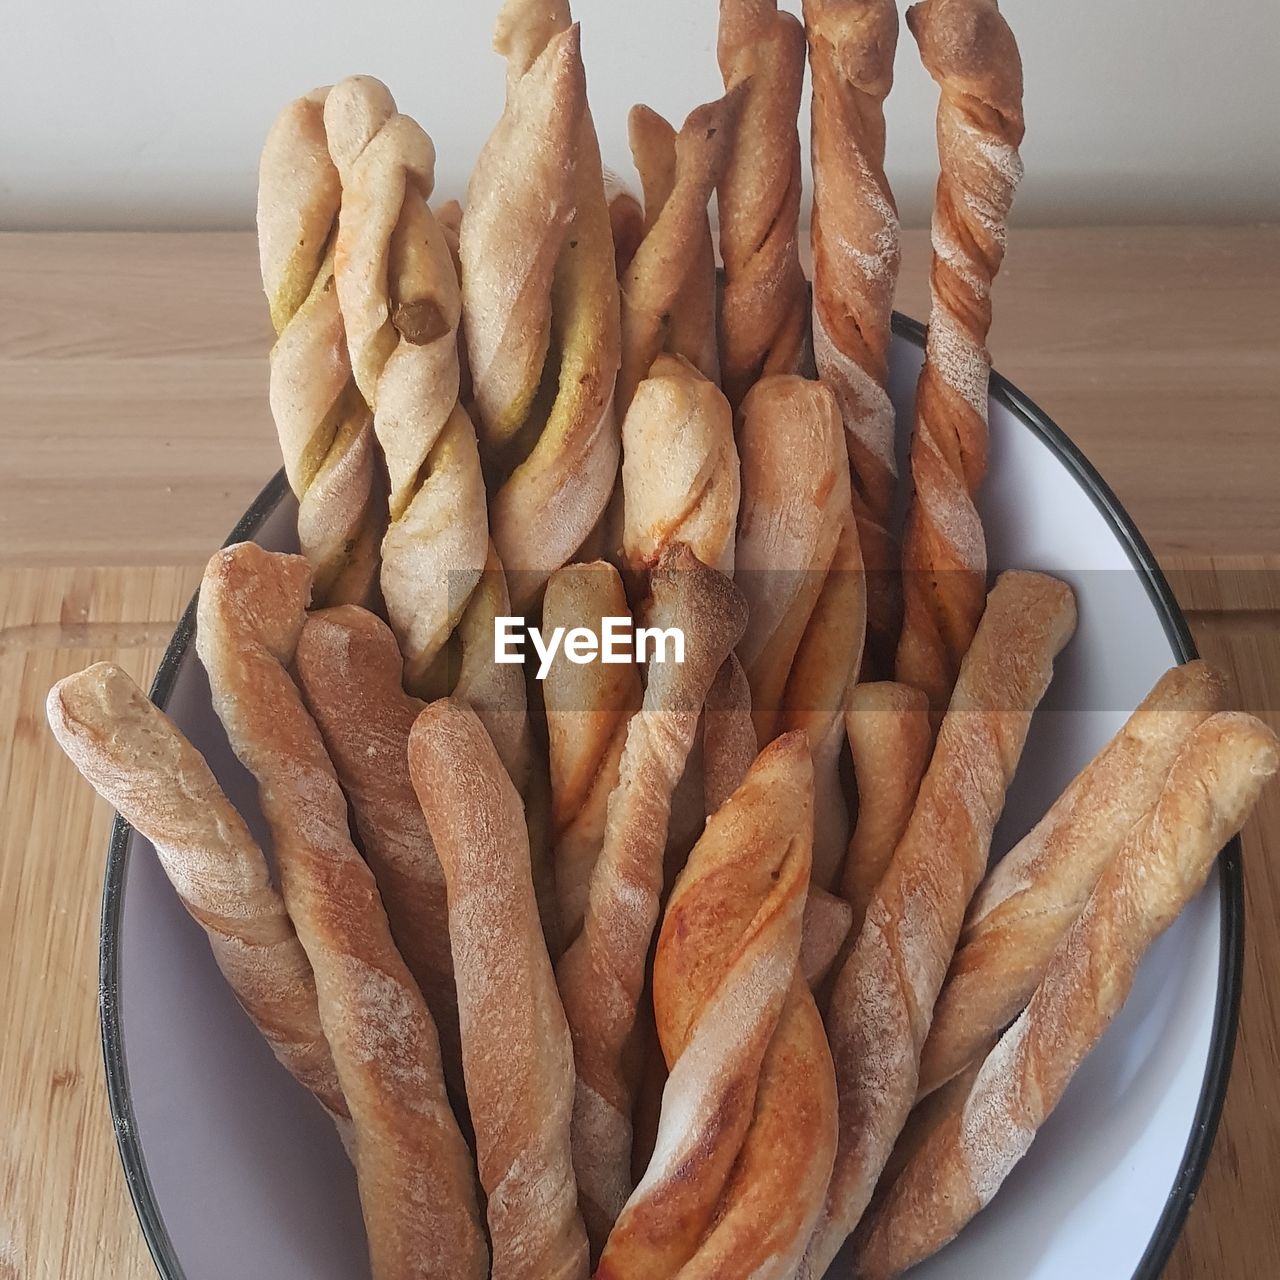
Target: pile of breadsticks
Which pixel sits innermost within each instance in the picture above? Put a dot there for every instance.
(623, 969)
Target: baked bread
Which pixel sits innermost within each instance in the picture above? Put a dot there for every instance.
(540, 296)
(324, 425)
(728, 735)
(827, 920)
(415, 1173)
(763, 309)
(969, 50)
(855, 269)
(602, 974)
(1031, 898)
(626, 220)
(725, 961)
(1163, 864)
(516, 1050)
(883, 997)
(136, 758)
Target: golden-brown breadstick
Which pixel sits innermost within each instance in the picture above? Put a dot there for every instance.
(826, 929)
(890, 739)
(588, 709)
(763, 311)
(855, 269)
(324, 425)
(970, 51)
(1030, 900)
(135, 757)
(626, 220)
(1163, 864)
(884, 995)
(725, 962)
(516, 1050)
(602, 974)
(350, 671)
(728, 735)
(415, 1174)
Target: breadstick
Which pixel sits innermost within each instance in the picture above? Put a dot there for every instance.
(970, 51)
(539, 281)
(680, 475)
(626, 220)
(826, 927)
(1030, 900)
(725, 961)
(890, 739)
(798, 565)
(588, 709)
(135, 757)
(398, 292)
(671, 251)
(1162, 865)
(415, 1174)
(855, 270)
(325, 428)
(602, 974)
(516, 1050)
(728, 735)
(349, 671)
(763, 310)
(883, 998)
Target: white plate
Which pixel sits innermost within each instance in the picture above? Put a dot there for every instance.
(235, 1172)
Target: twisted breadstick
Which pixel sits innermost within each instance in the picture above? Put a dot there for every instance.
(515, 1044)
(970, 51)
(541, 302)
(763, 318)
(890, 739)
(884, 995)
(134, 756)
(326, 434)
(415, 1174)
(588, 709)
(677, 230)
(728, 735)
(398, 292)
(602, 974)
(798, 566)
(680, 475)
(855, 269)
(725, 962)
(1040, 886)
(1163, 864)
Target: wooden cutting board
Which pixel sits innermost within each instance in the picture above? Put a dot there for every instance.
(133, 431)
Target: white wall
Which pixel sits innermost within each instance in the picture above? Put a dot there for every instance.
(149, 113)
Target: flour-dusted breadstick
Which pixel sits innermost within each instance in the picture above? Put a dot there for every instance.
(725, 962)
(969, 50)
(1162, 865)
(398, 291)
(516, 1050)
(728, 735)
(827, 920)
(763, 310)
(415, 1174)
(1030, 900)
(855, 270)
(540, 289)
(588, 709)
(884, 995)
(890, 739)
(798, 564)
(324, 425)
(676, 232)
(136, 758)
(350, 671)
(602, 974)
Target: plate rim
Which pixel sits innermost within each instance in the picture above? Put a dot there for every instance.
(1213, 1089)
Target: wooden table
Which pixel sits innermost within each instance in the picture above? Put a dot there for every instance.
(134, 429)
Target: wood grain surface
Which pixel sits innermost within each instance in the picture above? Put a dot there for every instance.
(134, 430)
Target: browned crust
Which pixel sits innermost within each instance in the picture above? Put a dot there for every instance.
(728, 735)
(1163, 864)
(415, 1174)
(516, 1050)
(136, 758)
(826, 927)
(969, 50)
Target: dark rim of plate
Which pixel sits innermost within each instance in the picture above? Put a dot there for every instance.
(1231, 957)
